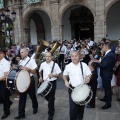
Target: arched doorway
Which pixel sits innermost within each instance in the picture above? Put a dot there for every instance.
(78, 23)
(113, 22)
(38, 26)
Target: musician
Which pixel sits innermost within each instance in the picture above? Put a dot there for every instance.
(28, 64)
(51, 72)
(68, 51)
(62, 53)
(74, 72)
(4, 92)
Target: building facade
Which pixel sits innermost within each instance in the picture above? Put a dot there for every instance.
(64, 19)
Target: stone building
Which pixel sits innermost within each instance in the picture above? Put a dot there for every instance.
(64, 19)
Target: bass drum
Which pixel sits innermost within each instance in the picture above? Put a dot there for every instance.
(82, 94)
(18, 80)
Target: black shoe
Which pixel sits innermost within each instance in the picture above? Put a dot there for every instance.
(19, 117)
(50, 118)
(35, 111)
(89, 106)
(103, 100)
(106, 106)
(5, 115)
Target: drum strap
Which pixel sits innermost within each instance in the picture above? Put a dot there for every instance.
(27, 62)
(81, 69)
(53, 67)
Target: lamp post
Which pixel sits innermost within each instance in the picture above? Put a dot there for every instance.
(7, 23)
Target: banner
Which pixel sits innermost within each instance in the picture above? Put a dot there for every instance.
(1, 4)
(33, 1)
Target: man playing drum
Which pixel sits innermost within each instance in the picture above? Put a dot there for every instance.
(4, 92)
(51, 72)
(74, 72)
(29, 65)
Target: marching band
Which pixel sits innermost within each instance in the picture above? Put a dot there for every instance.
(72, 58)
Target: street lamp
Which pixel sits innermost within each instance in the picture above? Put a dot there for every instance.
(8, 26)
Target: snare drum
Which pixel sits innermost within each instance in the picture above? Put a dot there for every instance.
(18, 80)
(44, 88)
(82, 94)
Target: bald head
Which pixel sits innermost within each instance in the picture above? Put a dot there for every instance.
(23, 52)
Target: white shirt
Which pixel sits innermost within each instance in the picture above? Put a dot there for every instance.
(63, 49)
(4, 67)
(47, 70)
(75, 74)
(107, 52)
(31, 64)
(68, 53)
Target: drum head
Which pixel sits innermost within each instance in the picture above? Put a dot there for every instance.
(23, 81)
(42, 87)
(80, 93)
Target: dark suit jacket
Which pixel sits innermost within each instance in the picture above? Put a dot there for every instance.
(106, 65)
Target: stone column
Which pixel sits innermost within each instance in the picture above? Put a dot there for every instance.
(27, 35)
(54, 17)
(99, 19)
(61, 32)
(18, 26)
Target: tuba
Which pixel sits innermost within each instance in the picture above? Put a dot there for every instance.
(56, 45)
(53, 50)
(42, 47)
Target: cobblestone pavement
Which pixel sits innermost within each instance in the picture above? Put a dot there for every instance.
(62, 108)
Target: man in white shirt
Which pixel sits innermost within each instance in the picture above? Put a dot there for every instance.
(28, 64)
(4, 92)
(51, 72)
(62, 52)
(74, 72)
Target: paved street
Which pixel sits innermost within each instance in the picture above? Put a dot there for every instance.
(62, 108)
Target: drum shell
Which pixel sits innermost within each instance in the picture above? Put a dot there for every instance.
(11, 79)
(46, 90)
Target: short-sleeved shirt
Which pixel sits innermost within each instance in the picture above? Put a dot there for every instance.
(47, 70)
(75, 73)
(4, 67)
(31, 64)
(62, 49)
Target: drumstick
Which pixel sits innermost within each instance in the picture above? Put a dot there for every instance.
(71, 88)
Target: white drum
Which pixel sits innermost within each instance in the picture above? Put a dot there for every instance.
(18, 79)
(44, 88)
(23, 81)
(82, 94)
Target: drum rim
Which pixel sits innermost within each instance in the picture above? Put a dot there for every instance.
(7, 78)
(16, 80)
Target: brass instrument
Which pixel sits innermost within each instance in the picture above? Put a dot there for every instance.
(56, 45)
(53, 50)
(42, 47)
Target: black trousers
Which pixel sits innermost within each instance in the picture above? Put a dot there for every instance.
(23, 96)
(94, 89)
(76, 111)
(51, 98)
(5, 94)
(107, 90)
(61, 60)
